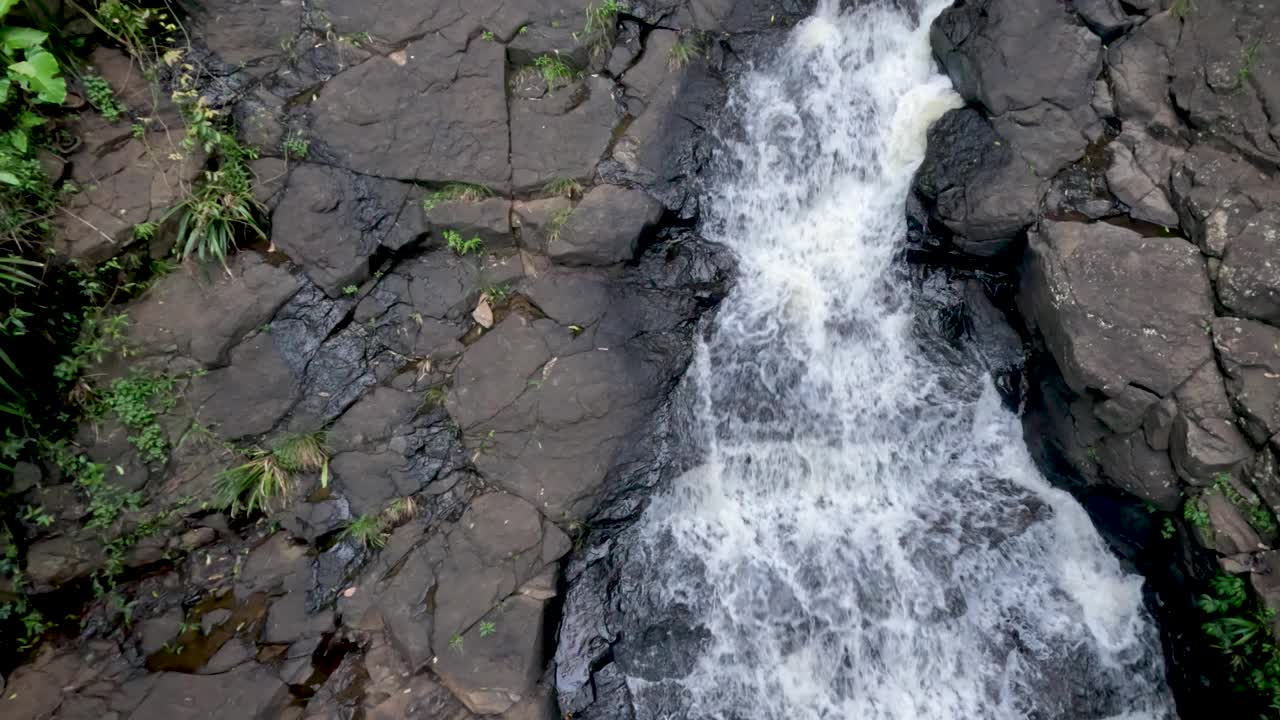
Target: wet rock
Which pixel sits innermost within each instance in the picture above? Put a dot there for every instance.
(604, 228)
(1249, 353)
(495, 668)
(275, 566)
(37, 689)
(1228, 531)
(1010, 55)
(1140, 175)
(248, 33)
(371, 116)
(197, 538)
(331, 222)
(155, 633)
(1204, 440)
(1217, 194)
(543, 419)
(248, 397)
(1047, 138)
(562, 136)
(1219, 78)
(488, 219)
(173, 318)
(57, 561)
(245, 693)
(1116, 308)
(214, 619)
(289, 621)
(974, 184)
(1249, 278)
(1104, 17)
(1140, 68)
(1132, 465)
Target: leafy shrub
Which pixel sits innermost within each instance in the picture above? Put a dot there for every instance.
(101, 96)
(462, 247)
(1243, 634)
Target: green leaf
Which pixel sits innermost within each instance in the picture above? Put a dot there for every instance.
(27, 119)
(18, 139)
(8, 178)
(4, 85)
(39, 74)
(21, 38)
(5, 6)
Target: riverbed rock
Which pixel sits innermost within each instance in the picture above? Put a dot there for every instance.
(605, 227)
(1249, 353)
(244, 692)
(1116, 308)
(1249, 279)
(372, 116)
(563, 136)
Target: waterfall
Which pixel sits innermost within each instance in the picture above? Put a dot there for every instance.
(867, 536)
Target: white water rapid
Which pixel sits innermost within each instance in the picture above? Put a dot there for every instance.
(872, 539)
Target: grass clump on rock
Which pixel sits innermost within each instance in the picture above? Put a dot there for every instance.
(452, 192)
(267, 477)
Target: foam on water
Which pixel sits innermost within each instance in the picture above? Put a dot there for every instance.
(874, 540)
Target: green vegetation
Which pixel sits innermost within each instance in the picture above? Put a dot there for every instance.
(487, 628)
(1167, 529)
(1242, 632)
(497, 294)
(350, 290)
(462, 247)
(1259, 516)
(296, 145)
(1195, 514)
(100, 95)
(685, 49)
(1180, 8)
(267, 477)
(452, 192)
(368, 531)
(137, 401)
(435, 397)
(486, 35)
(568, 187)
(555, 71)
(556, 223)
(1250, 62)
(455, 643)
(602, 17)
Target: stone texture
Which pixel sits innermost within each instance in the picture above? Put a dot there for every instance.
(435, 111)
(562, 136)
(1116, 308)
(1249, 354)
(1249, 279)
(604, 228)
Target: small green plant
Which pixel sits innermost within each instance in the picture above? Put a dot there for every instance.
(566, 187)
(222, 205)
(144, 231)
(1092, 453)
(296, 145)
(497, 294)
(487, 628)
(99, 94)
(37, 516)
(435, 397)
(1167, 529)
(602, 17)
(556, 223)
(575, 330)
(367, 531)
(462, 247)
(138, 400)
(452, 192)
(350, 290)
(455, 642)
(37, 72)
(1247, 68)
(399, 511)
(360, 39)
(486, 35)
(555, 71)
(1180, 8)
(268, 475)
(1242, 632)
(684, 50)
(1259, 516)
(1195, 514)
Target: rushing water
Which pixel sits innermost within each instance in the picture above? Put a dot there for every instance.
(869, 536)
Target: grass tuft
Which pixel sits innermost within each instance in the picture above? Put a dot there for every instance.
(555, 71)
(465, 192)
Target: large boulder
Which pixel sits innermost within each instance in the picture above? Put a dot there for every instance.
(1204, 440)
(1249, 278)
(562, 136)
(1012, 55)
(1140, 65)
(1249, 353)
(1117, 309)
(604, 228)
(975, 184)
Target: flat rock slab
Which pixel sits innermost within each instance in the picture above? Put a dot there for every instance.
(331, 222)
(247, 692)
(434, 111)
(1116, 308)
(1249, 279)
(1249, 353)
(562, 136)
(605, 227)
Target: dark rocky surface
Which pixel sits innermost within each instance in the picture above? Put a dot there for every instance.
(1146, 281)
(480, 405)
